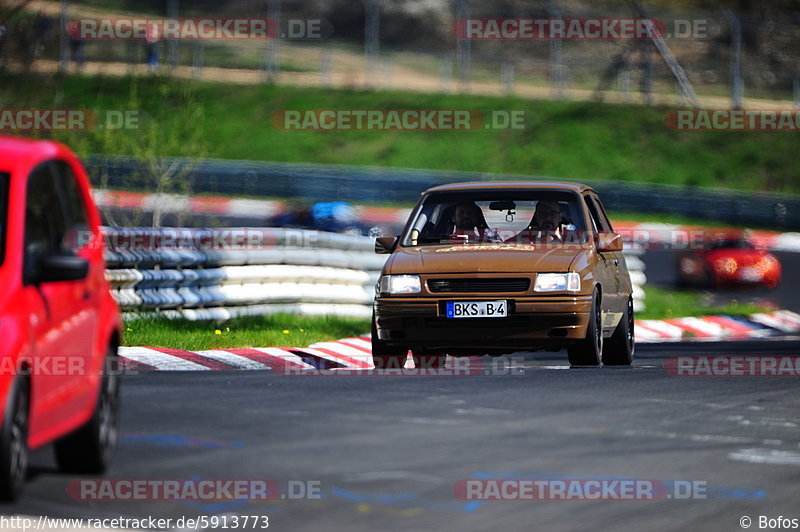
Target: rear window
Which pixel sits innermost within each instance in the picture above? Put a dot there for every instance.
(731, 243)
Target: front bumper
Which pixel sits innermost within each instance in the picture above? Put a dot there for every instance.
(533, 323)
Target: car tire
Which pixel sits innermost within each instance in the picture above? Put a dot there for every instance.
(14, 450)
(588, 352)
(384, 356)
(618, 350)
(89, 449)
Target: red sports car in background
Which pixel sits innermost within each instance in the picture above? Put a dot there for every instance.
(59, 326)
(728, 259)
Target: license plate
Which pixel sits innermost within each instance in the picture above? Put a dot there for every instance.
(749, 274)
(477, 309)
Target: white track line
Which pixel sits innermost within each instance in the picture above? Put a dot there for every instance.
(233, 359)
(159, 360)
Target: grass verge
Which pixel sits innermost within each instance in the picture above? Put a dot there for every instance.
(569, 140)
(662, 303)
(278, 330)
(288, 330)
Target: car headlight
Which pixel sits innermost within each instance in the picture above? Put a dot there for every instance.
(557, 282)
(399, 284)
(727, 265)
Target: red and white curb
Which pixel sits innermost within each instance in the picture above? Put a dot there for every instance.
(349, 353)
(715, 328)
(356, 353)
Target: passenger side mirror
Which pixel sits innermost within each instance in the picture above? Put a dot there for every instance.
(385, 244)
(609, 242)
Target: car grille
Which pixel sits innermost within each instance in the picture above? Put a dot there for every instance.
(479, 285)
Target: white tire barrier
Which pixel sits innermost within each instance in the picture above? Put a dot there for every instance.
(175, 272)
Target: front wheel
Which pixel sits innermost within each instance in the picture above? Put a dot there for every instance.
(90, 448)
(14, 441)
(587, 352)
(384, 356)
(618, 350)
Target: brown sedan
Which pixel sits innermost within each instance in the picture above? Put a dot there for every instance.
(498, 267)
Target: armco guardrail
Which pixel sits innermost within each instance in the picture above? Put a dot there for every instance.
(204, 274)
(365, 184)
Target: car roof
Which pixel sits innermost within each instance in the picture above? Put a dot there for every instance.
(14, 148)
(514, 185)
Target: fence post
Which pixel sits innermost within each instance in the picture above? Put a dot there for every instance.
(736, 59)
(198, 58)
(273, 50)
(445, 74)
(63, 63)
(556, 59)
(325, 67)
(464, 49)
(172, 44)
(507, 77)
(371, 40)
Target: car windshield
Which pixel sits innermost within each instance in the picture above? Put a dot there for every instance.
(729, 243)
(480, 217)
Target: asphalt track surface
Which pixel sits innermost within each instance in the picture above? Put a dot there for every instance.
(387, 451)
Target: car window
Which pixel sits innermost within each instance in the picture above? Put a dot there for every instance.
(492, 216)
(731, 244)
(76, 218)
(44, 218)
(4, 180)
(597, 221)
(601, 214)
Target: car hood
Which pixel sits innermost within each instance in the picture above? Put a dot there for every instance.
(490, 258)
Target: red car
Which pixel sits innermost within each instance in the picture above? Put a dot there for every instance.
(59, 326)
(727, 260)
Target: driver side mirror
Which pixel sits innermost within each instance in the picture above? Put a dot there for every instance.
(609, 242)
(385, 244)
(62, 267)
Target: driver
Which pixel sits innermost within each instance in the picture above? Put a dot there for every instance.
(546, 225)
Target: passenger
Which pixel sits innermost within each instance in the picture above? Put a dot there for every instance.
(467, 222)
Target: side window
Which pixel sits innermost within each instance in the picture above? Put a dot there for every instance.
(76, 219)
(4, 179)
(596, 220)
(44, 218)
(601, 212)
